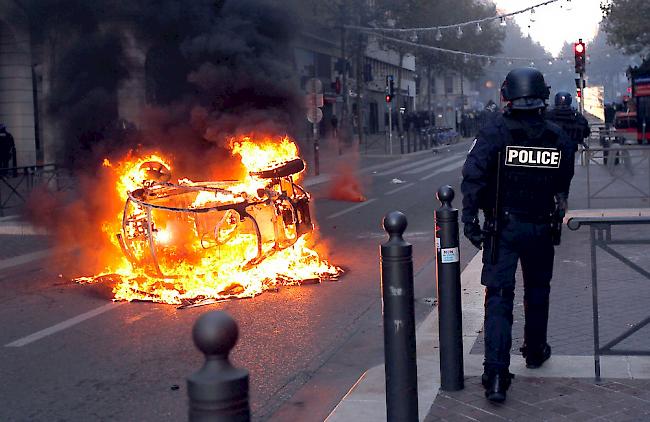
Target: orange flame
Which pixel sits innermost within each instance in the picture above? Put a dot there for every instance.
(189, 241)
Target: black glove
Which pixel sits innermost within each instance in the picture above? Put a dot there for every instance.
(561, 204)
(561, 207)
(474, 233)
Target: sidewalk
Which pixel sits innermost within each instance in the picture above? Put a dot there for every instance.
(564, 388)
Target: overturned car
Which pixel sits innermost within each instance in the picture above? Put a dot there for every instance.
(234, 224)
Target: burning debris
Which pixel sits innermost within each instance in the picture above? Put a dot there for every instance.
(346, 185)
(198, 242)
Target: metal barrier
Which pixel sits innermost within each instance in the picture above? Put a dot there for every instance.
(601, 237)
(627, 167)
(16, 183)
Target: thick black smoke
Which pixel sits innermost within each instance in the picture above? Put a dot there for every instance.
(213, 69)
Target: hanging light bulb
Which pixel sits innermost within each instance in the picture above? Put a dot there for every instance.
(509, 62)
(459, 33)
(465, 58)
(550, 62)
(532, 64)
(478, 28)
(438, 35)
(489, 61)
(414, 37)
(503, 21)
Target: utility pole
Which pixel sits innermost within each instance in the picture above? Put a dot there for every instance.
(361, 53)
(582, 91)
(344, 70)
(462, 93)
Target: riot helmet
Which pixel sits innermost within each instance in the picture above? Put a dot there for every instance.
(525, 89)
(563, 99)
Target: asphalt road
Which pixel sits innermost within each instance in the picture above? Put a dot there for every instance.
(304, 346)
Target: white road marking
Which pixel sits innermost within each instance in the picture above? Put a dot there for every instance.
(352, 208)
(24, 259)
(33, 256)
(324, 178)
(405, 166)
(63, 325)
(390, 192)
(10, 217)
(21, 229)
(433, 165)
(450, 167)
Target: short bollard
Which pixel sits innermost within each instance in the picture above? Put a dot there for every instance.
(450, 317)
(399, 322)
(218, 391)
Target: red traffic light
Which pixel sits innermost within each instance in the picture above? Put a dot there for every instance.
(388, 98)
(579, 93)
(580, 56)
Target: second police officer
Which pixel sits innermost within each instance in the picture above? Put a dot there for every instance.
(518, 172)
(565, 116)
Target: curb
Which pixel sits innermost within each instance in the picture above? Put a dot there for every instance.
(366, 400)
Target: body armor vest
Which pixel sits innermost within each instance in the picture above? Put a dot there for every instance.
(529, 170)
(566, 118)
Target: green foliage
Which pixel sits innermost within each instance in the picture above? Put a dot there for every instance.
(627, 24)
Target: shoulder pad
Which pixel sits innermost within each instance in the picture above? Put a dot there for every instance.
(493, 128)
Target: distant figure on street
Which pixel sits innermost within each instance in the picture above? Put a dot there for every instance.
(518, 172)
(7, 148)
(569, 119)
(334, 121)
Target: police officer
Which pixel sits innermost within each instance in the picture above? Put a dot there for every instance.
(518, 173)
(569, 119)
(7, 148)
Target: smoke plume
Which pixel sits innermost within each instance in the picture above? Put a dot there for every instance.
(212, 70)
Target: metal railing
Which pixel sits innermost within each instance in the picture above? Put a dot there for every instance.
(626, 169)
(17, 183)
(600, 233)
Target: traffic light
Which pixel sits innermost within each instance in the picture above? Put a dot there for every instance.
(390, 88)
(580, 52)
(579, 93)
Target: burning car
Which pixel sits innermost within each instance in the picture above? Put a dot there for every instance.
(189, 241)
(223, 216)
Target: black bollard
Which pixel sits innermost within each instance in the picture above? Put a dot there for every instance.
(450, 316)
(399, 322)
(218, 391)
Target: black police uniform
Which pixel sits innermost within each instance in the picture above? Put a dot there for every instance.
(7, 149)
(537, 161)
(572, 122)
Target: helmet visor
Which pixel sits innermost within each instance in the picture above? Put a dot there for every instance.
(527, 103)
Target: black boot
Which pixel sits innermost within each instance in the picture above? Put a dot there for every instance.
(496, 384)
(535, 357)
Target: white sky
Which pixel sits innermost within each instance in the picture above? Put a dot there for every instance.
(553, 25)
